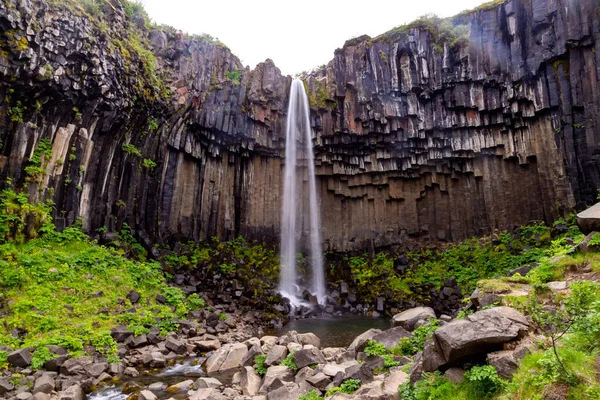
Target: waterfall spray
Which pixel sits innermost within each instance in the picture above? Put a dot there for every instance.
(298, 133)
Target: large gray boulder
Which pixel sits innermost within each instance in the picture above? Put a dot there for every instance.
(391, 337)
(20, 358)
(479, 333)
(227, 358)
(361, 339)
(407, 319)
(589, 220)
(307, 357)
(250, 382)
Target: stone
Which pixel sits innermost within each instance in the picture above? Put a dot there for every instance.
(505, 363)
(146, 395)
(309, 338)
(207, 394)
(276, 355)
(307, 357)
(175, 345)
(319, 380)
(138, 341)
(73, 392)
(44, 384)
(278, 372)
(121, 333)
(5, 386)
(75, 366)
(589, 219)
(154, 359)
(391, 382)
(361, 339)
(390, 337)
(250, 381)
(205, 382)
(557, 286)
(159, 386)
(183, 386)
(226, 358)
(130, 371)
(455, 375)
(407, 319)
(95, 369)
(133, 296)
(432, 360)
(207, 345)
(20, 358)
(24, 396)
(479, 333)
(41, 396)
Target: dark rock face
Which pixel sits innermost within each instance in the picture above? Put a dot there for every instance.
(413, 138)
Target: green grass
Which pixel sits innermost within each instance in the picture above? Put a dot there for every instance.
(63, 289)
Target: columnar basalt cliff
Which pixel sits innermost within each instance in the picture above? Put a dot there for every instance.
(416, 134)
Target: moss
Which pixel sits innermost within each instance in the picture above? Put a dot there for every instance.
(17, 40)
(564, 63)
(383, 56)
(494, 286)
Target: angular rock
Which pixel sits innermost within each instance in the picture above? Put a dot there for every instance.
(175, 345)
(121, 333)
(455, 375)
(183, 386)
(207, 345)
(407, 319)
(319, 380)
(505, 363)
(146, 395)
(307, 357)
(391, 382)
(391, 337)
(227, 358)
(5, 386)
(210, 383)
(75, 366)
(207, 394)
(432, 359)
(278, 372)
(362, 339)
(44, 384)
(479, 333)
(155, 359)
(250, 382)
(589, 219)
(20, 358)
(309, 338)
(73, 392)
(276, 355)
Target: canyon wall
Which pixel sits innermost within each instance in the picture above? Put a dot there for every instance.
(416, 134)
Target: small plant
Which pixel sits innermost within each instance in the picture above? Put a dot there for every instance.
(40, 357)
(289, 361)
(222, 316)
(578, 126)
(3, 360)
(131, 150)
(312, 395)
(227, 268)
(152, 125)
(464, 313)
(375, 348)
(259, 364)
(484, 380)
(234, 76)
(16, 113)
(149, 164)
(389, 362)
(414, 344)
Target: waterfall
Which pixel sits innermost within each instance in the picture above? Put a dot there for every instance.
(298, 133)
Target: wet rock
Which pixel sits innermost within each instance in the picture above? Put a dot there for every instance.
(146, 395)
(407, 319)
(130, 371)
(154, 359)
(181, 386)
(203, 383)
(207, 394)
(73, 392)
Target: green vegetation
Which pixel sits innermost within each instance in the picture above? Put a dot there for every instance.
(149, 164)
(259, 364)
(312, 395)
(16, 113)
(131, 150)
(414, 344)
(63, 289)
(349, 386)
(289, 361)
(234, 76)
(318, 98)
(38, 162)
(469, 262)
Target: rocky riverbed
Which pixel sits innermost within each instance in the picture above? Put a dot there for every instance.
(205, 360)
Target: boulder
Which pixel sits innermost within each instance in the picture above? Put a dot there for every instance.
(307, 357)
(278, 372)
(207, 345)
(319, 380)
(44, 384)
(391, 382)
(207, 394)
(95, 369)
(504, 361)
(155, 359)
(589, 220)
(362, 339)
(309, 338)
(455, 375)
(120, 333)
(276, 355)
(73, 392)
(183, 386)
(5, 386)
(210, 383)
(74, 366)
(146, 395)
(407, 319)
(479, 333)
(432, 360)
(391, 337)
(250, 382)
(41, 396)
(227, 358)
(20, 358)
(175, 345)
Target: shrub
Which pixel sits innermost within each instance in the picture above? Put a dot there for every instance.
(484, 380)
(289, 361)
(312, 395)
(259, 364)
(40, 357)
(375, 348)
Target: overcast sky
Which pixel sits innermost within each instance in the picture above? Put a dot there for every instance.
(297, 36)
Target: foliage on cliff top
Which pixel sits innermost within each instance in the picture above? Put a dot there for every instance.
(63, 289)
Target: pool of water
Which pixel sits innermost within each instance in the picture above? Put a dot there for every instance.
(333, 331)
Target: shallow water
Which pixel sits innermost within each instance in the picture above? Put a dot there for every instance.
(333, 331)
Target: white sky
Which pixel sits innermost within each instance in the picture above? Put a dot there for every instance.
(298, 37)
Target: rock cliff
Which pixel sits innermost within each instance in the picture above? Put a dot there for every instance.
(438, 130)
